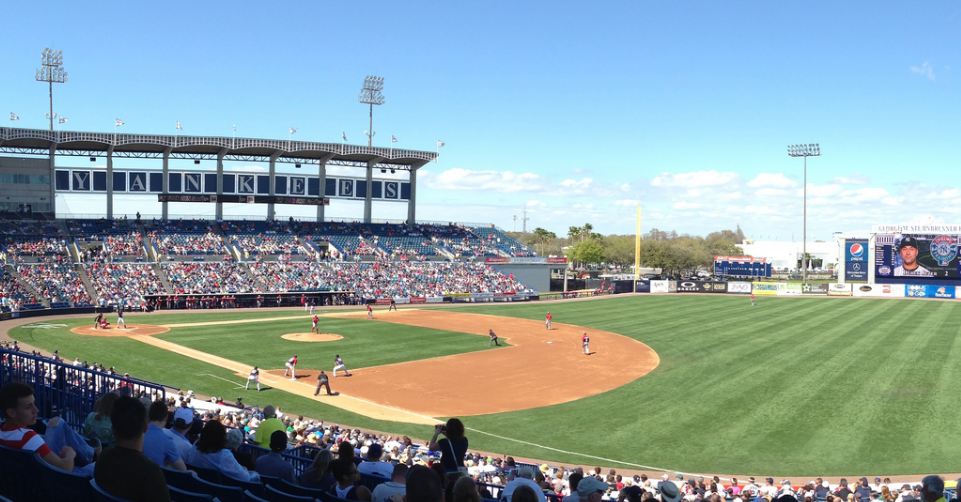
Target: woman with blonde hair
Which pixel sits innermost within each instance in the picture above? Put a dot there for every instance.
(98, 425)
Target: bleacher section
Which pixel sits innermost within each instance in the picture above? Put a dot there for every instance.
(56, 283)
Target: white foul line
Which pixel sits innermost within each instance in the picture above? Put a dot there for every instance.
(224, 379)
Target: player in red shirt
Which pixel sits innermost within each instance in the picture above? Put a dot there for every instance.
(291, 367)
(547, 320)
(370, 311)
(753, 299)
(313, 327)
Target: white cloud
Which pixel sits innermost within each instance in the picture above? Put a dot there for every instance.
(851, 180)
(771, 180)
(683, 205)
(625, 187)
(576, 186)
(773, 192)
(458, 178)
(627, 203)
(925, 70)
(694, 179)
(533, 204)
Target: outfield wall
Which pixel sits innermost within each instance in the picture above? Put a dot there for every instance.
(771, 288)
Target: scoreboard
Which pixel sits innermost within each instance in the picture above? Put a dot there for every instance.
(741, 266)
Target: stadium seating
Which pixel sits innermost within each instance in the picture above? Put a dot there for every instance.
(101, 495)
(180, 495)
(58, 484)
(275, 495)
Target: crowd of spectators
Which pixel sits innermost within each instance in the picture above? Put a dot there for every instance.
(119, 283)
(58, 283)
(269, 244)
(209, 277)
(181, 244)
(40, 246)
(130, 244)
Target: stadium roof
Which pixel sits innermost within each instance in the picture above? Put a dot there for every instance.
(39, 142)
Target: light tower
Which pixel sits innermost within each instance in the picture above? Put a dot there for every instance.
(51, 71)
(371, 95)
(809, 150)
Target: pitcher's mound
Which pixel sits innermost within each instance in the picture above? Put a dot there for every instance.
(130, 330)
(311, 337)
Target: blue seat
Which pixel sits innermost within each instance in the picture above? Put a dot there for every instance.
(207, 474)
(274, 495)
(253, 497)
(255, 487)
(101, 495)
(15, 467)
(225, 493)
(179, 495)
(185, 480)
(288, 487)
(371, 481)
(58, 484)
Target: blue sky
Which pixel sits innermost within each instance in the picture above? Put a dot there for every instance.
(577, 111)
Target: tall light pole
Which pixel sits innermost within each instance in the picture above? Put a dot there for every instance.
(51, 71)
(808, 150)
(371, 95)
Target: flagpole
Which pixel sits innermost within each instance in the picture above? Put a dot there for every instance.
(637, 249)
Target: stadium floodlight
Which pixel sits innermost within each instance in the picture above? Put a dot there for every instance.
(808, 150)
(51, 71)
(372, 94)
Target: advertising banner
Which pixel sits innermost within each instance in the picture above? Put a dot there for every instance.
(767, 288)
(689, 287)
(839, 290)
(742, 288)
(382, 301)
(790, 290)
(418, 299)
(660, 286)
(715, 287)
(922, 258)
(401, 300)
(928, 291)
(880, 290)
(814, 289)
(856, 260)
(435, 299)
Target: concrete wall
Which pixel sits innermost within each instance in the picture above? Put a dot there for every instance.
(25, 181)
(536, 276)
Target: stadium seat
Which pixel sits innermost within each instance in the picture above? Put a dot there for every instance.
(101, 495)
(257, 488)
(371, 481)
(274, 495)
(250, 497)
(179, 495)
(207, 474)
(226, 493)
(16, 466)
(288, 487)
(58, 484)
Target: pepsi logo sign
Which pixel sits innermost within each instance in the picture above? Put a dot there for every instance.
(856, 250)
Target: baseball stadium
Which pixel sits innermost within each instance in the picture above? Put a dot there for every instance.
(190, 317)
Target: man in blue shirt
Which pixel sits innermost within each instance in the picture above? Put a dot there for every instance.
(157, 445)
(273, 463)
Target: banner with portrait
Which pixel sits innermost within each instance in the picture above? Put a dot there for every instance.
(916, 258)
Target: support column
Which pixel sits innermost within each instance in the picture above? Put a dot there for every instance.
(412, 202)
(322, 192)
(220, 184)
(53, 180)
(165, 182)
(271, 175)
(109, 182)
(368, 197)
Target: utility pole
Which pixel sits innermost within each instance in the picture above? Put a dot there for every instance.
(524, 220)
(808, 150)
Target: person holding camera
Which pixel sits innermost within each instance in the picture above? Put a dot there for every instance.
(453, 447)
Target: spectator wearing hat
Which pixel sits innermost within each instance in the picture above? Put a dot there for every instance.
(157, 445)
(523, 477)
(932, 489)
(591, 489)
(183, 421)
(267, 427)
(373, 466)
(273, 463)
(395, 489)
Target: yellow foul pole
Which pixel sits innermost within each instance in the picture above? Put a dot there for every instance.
(637, 249)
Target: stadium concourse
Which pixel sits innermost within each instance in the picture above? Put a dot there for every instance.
(78, 263)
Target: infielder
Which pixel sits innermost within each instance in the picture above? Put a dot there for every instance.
(339, 365)
(547, 320)
(253, 376)
(586, 342)
(493, 336)
(291, 367)
(120, 321)
(370, 311)
(313, 326)
(312, 308)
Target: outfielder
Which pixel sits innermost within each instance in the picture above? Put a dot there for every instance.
(586, 342)
(291, 367)
(313, 326)
(339, 365)
(254, 377)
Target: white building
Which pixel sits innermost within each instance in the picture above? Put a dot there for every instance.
(786, 254)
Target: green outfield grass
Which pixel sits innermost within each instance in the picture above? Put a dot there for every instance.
(793, 386)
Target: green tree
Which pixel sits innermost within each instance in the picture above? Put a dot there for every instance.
(586, 251)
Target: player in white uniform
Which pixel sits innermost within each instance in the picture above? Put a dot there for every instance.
(291, 367)
(120, 321)
(339, 365)
(254, 377)
(908, 250)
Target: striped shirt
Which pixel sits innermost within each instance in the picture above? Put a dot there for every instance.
(21, 438)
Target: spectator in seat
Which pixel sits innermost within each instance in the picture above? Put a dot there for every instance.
(346, 488)
(465, 490)
(267, 426)
(157, 445)
(862, 492)
(273, 463)
(123, 470)
(19, 413)
(235, 438)
(211, 452)
(183, 420)
(318, 475)
(669, 491)
(524, 477)
(932, 489)
(524, 494)
(395, 489)
(573, 480)
(373, 466)
(452, 448)
(97, 425)
(424, 485)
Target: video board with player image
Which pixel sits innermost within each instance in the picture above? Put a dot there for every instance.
(916, 258)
